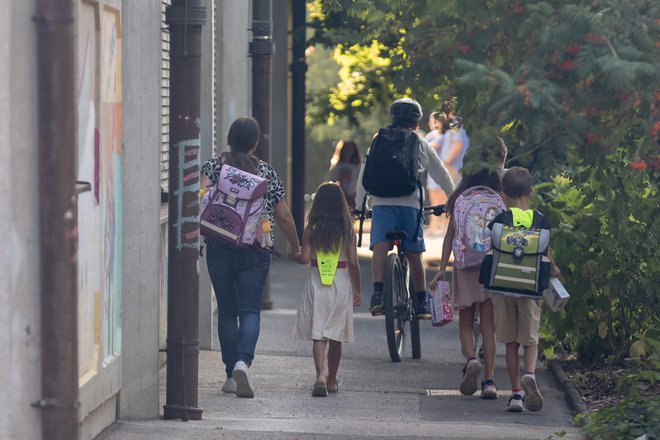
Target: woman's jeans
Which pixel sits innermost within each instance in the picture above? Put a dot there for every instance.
(238, 278)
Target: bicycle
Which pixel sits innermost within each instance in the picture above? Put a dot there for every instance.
(398, 304)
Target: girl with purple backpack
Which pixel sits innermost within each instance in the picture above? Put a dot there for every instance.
(477, 195)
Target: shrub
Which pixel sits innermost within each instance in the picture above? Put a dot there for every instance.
(605, 239)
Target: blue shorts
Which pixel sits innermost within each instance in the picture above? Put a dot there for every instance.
(386, 218)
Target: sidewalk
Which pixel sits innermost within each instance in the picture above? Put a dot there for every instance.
(378, 399)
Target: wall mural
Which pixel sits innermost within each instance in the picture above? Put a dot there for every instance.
(89, 214)
(110, 180)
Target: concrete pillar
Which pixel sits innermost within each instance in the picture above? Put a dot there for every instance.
(207, 139)
(20, 381)
(141, 62)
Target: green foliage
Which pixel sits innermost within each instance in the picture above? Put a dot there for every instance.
(643, 378)
(605, 239)
(629, 419)
(322, 134)
(638, 412)
(578, 78)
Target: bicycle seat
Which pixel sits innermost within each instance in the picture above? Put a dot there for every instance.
(396, 235)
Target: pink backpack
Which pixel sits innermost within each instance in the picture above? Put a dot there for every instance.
(473, 211)
(232, 209)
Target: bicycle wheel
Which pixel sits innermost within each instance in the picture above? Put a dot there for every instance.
(414, 324)
(395, 299)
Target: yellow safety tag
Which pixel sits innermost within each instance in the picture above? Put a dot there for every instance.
(327, 262)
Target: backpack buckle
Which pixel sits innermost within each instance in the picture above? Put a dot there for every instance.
(231, 200)
(518, 253)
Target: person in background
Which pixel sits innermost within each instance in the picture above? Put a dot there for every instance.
(438, 124)
(239, 275)
(345, 167)
(454, 146)
(325, 313)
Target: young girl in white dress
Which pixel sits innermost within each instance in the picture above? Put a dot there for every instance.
(325, 313)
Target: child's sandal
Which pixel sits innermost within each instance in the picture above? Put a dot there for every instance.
(337, 386)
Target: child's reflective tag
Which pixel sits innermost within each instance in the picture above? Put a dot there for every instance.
(327, 262)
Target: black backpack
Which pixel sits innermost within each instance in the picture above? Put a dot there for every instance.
(391, 168)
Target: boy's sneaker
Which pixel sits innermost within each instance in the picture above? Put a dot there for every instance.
(515, 403)
(423, 311)
(241, 375)
(533, 397)
(229, 386)
(488, 390)
(376, 303)
(470, 381)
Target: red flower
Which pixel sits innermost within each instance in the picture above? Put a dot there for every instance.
(591, 138)
(638, 165)
(655, 129)
(572, 49)
(462, 48)
(553, 59)
(591, 111)
(568, 65)
(623, 96)
(518, 8)
(594, 38)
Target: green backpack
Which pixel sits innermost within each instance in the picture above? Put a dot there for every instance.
(517, 264)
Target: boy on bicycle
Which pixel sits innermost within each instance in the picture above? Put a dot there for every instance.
(400, 212)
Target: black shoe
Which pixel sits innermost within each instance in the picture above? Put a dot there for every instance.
(423, 311)
(376, 304)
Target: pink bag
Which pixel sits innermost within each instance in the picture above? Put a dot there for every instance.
(441, 305)
(232, 209)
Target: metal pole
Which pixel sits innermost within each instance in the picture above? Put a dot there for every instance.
(185, 19)
(262, 49)
(55, 22)
(298, 69)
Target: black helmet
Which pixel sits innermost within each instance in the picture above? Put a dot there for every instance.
(406, 110)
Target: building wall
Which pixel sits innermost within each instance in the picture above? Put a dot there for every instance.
(232, 67)
(20, 381)
(120, 268)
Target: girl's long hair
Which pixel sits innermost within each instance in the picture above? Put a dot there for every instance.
(329, 222)
(242, 137)
(480, 168)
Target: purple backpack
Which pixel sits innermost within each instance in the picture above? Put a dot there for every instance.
(232, 209)
(473, 211)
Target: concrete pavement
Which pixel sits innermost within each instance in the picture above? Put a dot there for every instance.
(378, 399)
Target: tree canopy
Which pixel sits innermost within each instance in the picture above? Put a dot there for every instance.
(554, 78)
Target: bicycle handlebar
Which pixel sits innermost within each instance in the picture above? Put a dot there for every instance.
(436, 210)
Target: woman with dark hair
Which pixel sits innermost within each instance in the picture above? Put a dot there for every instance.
(345, 167)
(239, 275)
